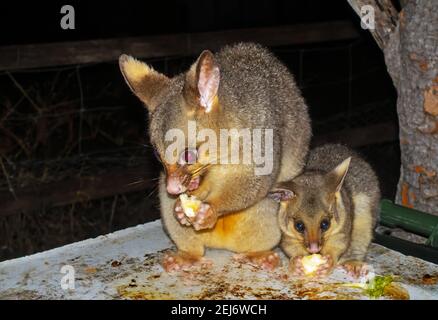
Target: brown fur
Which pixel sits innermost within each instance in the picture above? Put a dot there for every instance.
(255, 91)
(330, 185)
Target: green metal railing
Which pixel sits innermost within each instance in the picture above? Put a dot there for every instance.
(423, 224)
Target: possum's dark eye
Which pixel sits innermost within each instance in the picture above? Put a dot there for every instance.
(188, 156)
(325, 224)
(299, 226)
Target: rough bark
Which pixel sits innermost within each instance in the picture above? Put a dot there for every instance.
(385, 18)
(415, 45)
(411, 56)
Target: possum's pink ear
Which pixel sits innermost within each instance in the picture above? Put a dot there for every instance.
(144, 81)
(202, 82)
(336, 177)
(279, 194)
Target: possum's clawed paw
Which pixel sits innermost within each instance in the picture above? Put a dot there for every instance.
(326, 268)
(296, 266)
(205, 218)
(356, 268)
(183, 262)
(172, 263)
(267, 260)
(179, 213)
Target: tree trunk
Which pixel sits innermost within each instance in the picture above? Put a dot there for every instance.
(411, 56)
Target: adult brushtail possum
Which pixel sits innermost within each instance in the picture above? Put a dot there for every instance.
(330, 209)
(242, 87)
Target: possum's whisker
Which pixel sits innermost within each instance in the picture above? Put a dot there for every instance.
(199, 170)
(154, 189)
(142, 180)
(135, 182)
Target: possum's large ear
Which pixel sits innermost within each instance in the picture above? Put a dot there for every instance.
(280, 194)
(202, 82)
(336, 177)
(144, 81)
(335, 180)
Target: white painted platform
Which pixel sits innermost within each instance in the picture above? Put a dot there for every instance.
(125, 265)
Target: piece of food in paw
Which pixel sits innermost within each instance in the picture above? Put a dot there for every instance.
(311, 263)
(190, 205)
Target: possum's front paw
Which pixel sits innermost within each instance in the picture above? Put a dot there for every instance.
(205, 218)
(190, 211)
(296, 266)
(179, 214)
(326, 268)
(183, 262)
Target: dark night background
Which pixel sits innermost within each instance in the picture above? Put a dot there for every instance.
(344, 82)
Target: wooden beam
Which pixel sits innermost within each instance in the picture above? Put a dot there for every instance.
(363, 136)
(92, 51)
(61, 193)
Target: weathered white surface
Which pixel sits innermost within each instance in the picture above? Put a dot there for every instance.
(125, 265)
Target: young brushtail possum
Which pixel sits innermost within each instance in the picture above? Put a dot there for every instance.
(241, 87)
(330, 209)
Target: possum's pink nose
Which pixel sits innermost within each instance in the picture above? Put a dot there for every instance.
(174, 186)
(314, 247)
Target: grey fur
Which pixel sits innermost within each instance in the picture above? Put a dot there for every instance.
(360, 195)
(255, 91)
